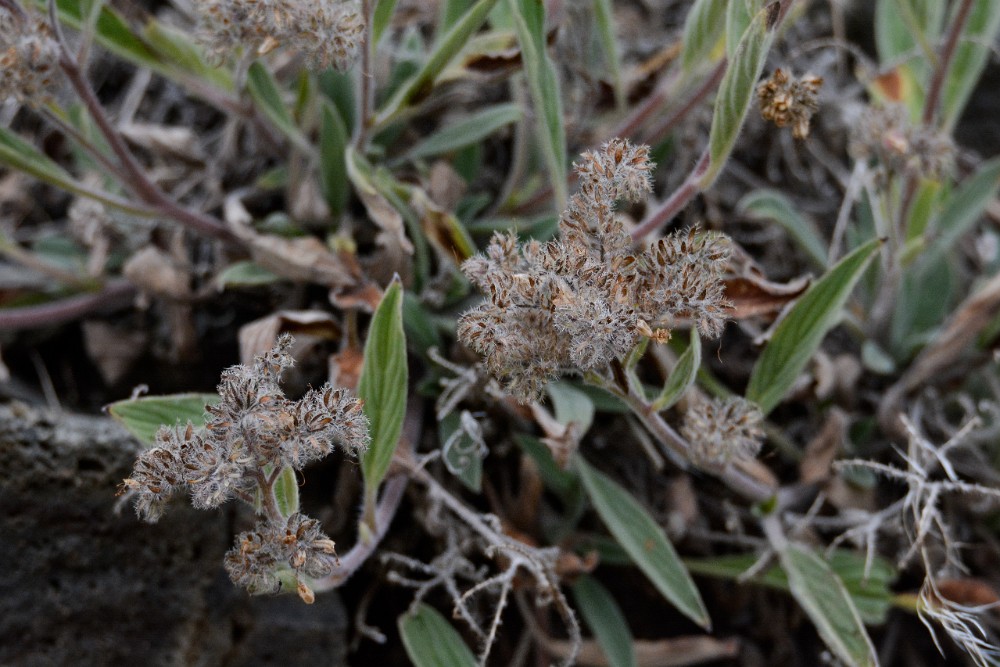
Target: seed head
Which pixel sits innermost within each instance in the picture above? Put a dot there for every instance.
(585, 299)
(28, 58)
(326, 32)
(886, 137)
(785, 100)
(723, 431)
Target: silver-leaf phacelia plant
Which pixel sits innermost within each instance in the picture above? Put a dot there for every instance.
(253, 438)
(585, 299)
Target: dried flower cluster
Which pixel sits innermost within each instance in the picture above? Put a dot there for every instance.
(721, 432)
(585, 299)
(785, 100)
(252, 435)
(298, 546)
(28, 56)
(326, 32)
(885, 136)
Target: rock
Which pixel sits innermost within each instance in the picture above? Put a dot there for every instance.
(84, 582)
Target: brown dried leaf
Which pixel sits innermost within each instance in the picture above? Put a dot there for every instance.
(155, 272)
(754, 295)
(968, 592)
(177, 141)
(446, 186)
(114, 351)
(345, 367)
(305, 259)
(259, 336)
(823, 449)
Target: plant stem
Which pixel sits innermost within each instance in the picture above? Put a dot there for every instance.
(660, 132)
(366, 95)
(130, 169)
(681, 197)
(385, 510)
(944, 62)
(679, 450)
(116, 294)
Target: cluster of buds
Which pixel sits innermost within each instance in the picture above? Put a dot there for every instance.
(28, 56)
(585, 299)
(786, 100)
(253, 435)
(721, 432)
(326, 32)
(886, 137)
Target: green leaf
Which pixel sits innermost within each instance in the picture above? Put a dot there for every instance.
(822, 595)
(418, 86)
(431, 641)
(644, 540)
(245, 274)
(737, 21)
(467, 131)
(773, 205)
(267, 96)
(571, 405)
(683, 375)
(175, 49)
(963, 208)
(562, 482)
(451, 11)
(606, 621)
(736, 91)
(543, 82)
(286, 492)
(380, 19)
(604, 19)
(903, 26)
(463, 458)
(704, 28)
(421, 332)
(332, 166)
(383, 385)
(799, 334)
(20, 155)
(870, 591)
(969, 59)
(144, 416)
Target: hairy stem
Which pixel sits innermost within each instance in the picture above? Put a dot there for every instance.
(675, 202)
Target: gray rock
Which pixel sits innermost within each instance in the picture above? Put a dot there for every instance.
(83, 583)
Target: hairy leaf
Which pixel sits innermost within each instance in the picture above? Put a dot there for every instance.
(736, 92)
(704, 28)
(799, 334)
(605, 620)
(644, 541)
(467, 131)
(773, 205)
(431, 641)
(144, 416)
(382, 385)
(822, 595)
(682, 376)
(529, 20)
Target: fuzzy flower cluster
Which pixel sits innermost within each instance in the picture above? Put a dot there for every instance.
(253, 427)
(253, 435)
(585, 299)
(786, 100)
(297, 546)
(326, 32)
(721, 432)
(886, 137)
(28, 57)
